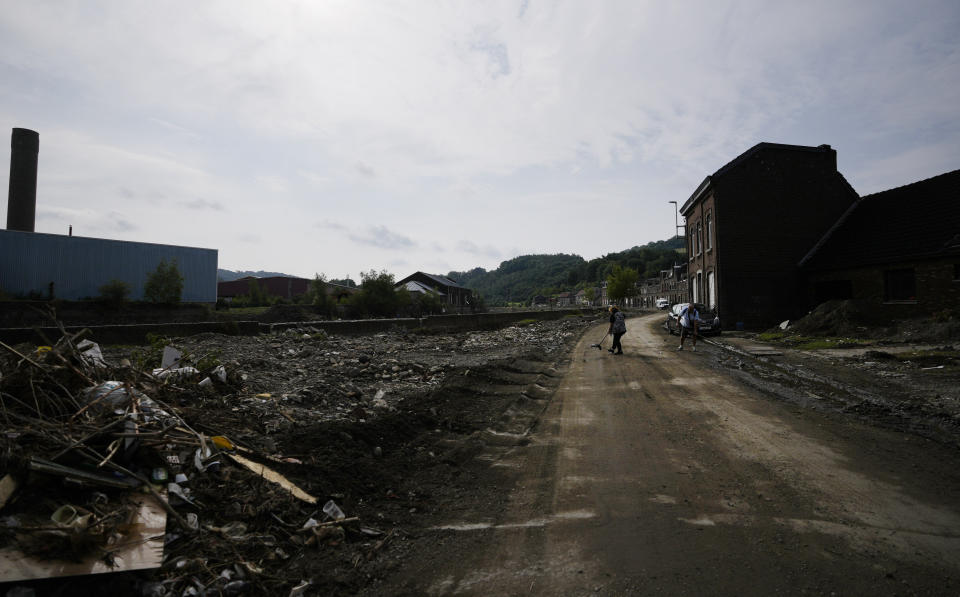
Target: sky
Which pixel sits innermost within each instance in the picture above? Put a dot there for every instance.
(339, 137)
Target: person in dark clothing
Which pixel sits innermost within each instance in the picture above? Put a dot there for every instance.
(618, 328)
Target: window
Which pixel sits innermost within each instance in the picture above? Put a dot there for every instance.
(899, 285)
(711, 287)
(709, 231)
(699, 237)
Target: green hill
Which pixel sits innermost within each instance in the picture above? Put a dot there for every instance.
(521, 278)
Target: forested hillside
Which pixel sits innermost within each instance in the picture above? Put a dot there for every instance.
(225, 275)
(521, 278)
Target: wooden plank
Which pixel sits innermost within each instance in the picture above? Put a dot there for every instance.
(140, 549)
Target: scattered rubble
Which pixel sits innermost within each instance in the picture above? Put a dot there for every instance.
(213, 454)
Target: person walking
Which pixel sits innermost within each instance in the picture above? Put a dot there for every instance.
(689, 323)
(618, 328)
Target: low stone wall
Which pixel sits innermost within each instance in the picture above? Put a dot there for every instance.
(137, 333)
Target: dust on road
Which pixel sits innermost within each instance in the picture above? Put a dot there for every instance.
(658, 473)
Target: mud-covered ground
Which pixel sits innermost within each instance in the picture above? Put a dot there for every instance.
(393, 428)
(389, 427)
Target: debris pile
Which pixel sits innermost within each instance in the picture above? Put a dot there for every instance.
(276, 464)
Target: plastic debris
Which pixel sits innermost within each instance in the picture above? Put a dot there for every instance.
(91, 354)
(171, 357)
(332, 510)
(300, 590)
(175, 373)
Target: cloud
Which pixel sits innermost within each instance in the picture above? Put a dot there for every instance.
(330, 225)
(203, 204)
(383, 238)
(118, 222)
(578, 121)
(365, 170)
(472, 248)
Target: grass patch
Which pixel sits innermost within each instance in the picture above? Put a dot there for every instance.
(812, 342)
(816, 344)
(771, 336)
(234, 311)
(525, 322)
(930, 358)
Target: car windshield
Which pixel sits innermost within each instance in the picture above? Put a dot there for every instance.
(701, 308)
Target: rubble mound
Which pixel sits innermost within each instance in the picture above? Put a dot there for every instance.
(839, 318)
(835, 318)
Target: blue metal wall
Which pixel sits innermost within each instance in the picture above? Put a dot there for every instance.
(79, 266)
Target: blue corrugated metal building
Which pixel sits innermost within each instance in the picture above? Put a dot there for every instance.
(78, 266)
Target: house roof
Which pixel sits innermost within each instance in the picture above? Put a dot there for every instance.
(434, 279)
(916, 221)
(414, 286)
(759, 147)
(443, 280)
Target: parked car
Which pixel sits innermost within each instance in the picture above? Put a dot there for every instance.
(710, 323)
(663, 303)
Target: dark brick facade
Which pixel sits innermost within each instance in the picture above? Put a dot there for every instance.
(897, 251)
(937, 285)
(749, 225)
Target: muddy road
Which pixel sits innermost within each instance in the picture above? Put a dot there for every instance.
(657, 472)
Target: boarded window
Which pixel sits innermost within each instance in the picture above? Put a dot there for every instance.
(899, 285)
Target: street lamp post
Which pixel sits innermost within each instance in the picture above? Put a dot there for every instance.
(676, 218)
(676, 223)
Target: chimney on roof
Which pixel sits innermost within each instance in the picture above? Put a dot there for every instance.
(22, 196)
(831, 155)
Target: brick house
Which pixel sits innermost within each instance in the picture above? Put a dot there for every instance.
(452, 293)
(897, 250)
(751, 222)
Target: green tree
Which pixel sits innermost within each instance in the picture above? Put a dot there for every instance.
(257, 295)
(164, 284)
(621, 283)
(590, 294)
(424, 303)
(478, 303)
(377, 296)
(114, 292)
(319, 297)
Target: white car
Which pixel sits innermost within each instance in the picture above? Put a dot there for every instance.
(662, 303)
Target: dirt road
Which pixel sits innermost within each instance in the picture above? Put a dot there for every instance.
(656, 473)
